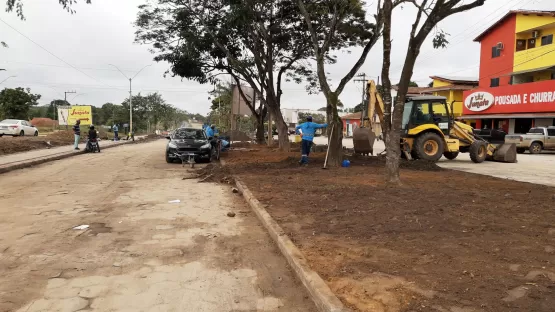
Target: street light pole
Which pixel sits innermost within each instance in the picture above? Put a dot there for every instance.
(130, 94)
(7, 79)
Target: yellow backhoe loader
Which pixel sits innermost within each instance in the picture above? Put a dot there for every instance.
(429, 131)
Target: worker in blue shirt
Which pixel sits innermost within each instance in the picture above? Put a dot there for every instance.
(209, 131)
(307, 130)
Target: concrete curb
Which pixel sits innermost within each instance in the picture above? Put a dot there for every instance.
(37, 161)
(321, 294)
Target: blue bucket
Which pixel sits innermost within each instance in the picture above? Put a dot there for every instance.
(346, 163)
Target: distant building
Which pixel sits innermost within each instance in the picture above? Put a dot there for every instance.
(452, 88)
(350, 123)
(517, 74)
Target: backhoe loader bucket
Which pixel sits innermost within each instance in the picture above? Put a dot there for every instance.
(504, 153)
(363, 141)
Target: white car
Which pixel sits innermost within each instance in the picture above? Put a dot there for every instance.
(16, 127)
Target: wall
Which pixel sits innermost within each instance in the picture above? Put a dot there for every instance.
(499, 66)
(540, 56)
(531, 22)
(543, 122)
(453, 95)
(440, 83)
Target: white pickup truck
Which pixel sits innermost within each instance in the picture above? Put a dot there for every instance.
(536, 140)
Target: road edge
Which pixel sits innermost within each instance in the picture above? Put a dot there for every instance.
(319, 291)
(40, 161)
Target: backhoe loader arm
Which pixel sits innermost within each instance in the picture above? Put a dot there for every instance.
(375, 103)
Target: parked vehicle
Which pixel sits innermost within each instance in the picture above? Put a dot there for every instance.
(185, 142)
(16, 127)
(536, 140)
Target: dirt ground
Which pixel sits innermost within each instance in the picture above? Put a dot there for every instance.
(444, 241)
(141, 252)
(11, 145)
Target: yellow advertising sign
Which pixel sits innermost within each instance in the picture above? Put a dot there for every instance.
(84, 113)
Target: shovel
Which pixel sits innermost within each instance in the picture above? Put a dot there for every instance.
(328, 150)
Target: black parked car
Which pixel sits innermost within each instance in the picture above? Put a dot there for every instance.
(188, 141)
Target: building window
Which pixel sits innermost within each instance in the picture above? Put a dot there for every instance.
(547, 40)
(494, 82)
(531, 43)
(495, 52)
(520, 45)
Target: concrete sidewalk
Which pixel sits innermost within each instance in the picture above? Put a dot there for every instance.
(31, 158)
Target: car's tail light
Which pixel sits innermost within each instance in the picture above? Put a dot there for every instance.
(14, 126)
(520, 139)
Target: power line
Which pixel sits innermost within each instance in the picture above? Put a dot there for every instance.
(61, 66)
(48, 51)
(465, 38)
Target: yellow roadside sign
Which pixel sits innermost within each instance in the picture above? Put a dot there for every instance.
(84, 113)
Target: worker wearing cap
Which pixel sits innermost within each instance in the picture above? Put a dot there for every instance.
(307, 130)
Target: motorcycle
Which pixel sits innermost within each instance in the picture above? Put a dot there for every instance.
(92, 146)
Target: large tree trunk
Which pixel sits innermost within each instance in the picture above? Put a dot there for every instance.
(335, 132)
(260, 130)
(281, 126)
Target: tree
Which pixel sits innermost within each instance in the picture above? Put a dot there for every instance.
(413, 84)
(431, 84)
(350, 18)
(18, 6)
(322, 109)
(16, 103)
(257, 42)
(317, 118)
(429, 14)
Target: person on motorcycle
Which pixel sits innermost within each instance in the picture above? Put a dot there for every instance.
(93, 136)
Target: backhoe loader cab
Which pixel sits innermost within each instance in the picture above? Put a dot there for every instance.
(429, 131)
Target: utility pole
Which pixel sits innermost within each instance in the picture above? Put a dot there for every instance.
(130, 94)
(364, 108)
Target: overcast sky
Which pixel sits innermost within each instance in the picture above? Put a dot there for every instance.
(102, 33)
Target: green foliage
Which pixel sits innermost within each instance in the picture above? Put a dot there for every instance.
(440, 39)
(431, 84)
(16, 103)
(18, 6)
(317, 118)
(413, 84)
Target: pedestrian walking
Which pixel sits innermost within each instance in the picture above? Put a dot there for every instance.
(116, 130)
(77, 134)
(307, 130)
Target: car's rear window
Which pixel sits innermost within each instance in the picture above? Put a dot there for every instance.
(197, 134)
(9, 121)
(536, 130)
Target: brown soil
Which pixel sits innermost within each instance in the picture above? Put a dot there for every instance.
(237, 135)
(9, 145)
(443, 241)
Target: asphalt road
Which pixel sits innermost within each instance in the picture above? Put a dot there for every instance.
(142, 250)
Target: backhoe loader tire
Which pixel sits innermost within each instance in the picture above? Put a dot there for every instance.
(535, 148)
(429, 146)
(478, 151)
(451, 155)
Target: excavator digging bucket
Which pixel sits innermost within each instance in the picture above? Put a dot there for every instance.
(363, 141)
(505, 153)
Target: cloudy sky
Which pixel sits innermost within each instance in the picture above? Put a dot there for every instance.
(53, 52)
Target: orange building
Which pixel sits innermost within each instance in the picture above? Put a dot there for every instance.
(516, 88)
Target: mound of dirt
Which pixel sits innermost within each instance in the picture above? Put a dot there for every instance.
(236, 135)
(65, 137)
(215, 173)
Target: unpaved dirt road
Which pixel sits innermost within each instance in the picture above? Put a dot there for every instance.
(140, 253)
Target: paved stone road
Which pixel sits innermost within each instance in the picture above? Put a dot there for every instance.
(140, 252)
